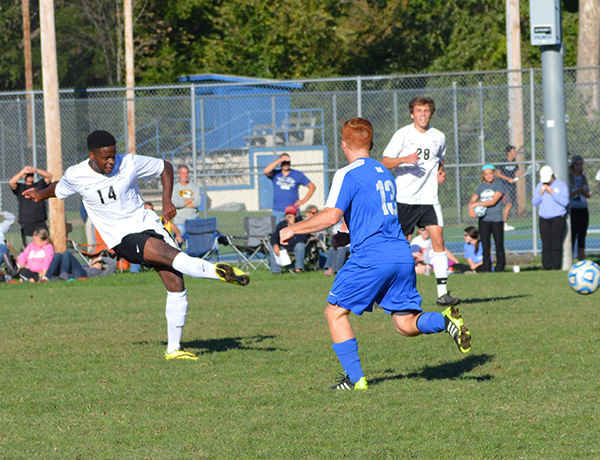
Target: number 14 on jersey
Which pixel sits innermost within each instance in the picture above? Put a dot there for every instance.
(110, 194)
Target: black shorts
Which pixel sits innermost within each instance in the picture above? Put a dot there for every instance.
(510, 193)
(131, 248)
(419, 215)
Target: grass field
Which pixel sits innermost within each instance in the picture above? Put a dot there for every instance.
(83, 374)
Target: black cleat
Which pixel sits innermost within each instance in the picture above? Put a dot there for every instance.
(447, 300)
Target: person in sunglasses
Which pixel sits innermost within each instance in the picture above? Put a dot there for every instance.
(286, 182)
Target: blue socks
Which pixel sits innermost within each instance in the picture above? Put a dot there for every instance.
(431, 323)
(347, 353)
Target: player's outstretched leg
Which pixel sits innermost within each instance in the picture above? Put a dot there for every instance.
(455, 326)
(200, 268)
(231, 274)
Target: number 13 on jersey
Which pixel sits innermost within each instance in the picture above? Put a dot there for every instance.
(388, 206)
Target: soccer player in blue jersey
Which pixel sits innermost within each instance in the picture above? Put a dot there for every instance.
(381, 267)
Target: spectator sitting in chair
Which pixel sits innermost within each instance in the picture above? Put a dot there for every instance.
(422, 251)
(35, 260)
(336, 258)
(296, 245)
(65, 266)
(4, 226)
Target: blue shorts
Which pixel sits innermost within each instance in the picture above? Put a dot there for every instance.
(392, 286)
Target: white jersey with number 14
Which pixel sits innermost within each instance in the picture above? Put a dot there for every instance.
(113, 201)
(417, 184)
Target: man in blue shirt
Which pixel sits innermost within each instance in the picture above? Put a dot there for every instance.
(286, 182)
(381, 267)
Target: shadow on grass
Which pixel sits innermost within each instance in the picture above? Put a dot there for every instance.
(492, 299)
(446, 371)
(229, 343)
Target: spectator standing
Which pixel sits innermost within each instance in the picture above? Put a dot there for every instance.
(551, 197)
(90, 231)
(489, 195)
(507, 172)
(286, 182)
(297, 244)
(9, 219)
(186, 198)
(31, 215)
(169, 227)
(579, 192)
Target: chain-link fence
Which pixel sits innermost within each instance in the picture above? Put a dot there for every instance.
(227, 133)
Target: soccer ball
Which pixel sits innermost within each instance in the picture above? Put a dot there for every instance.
(480, 211)
(584, 277)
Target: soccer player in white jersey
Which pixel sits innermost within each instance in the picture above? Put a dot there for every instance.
(107, 183)
(381, 267)
(416, 154)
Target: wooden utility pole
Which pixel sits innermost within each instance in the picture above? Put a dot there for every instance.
(28, 68)
(515, 92)
(129, 75)
(52, 120)
(588, 54)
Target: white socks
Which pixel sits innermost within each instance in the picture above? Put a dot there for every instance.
(195, 267)
(176, 311)
(440, 268)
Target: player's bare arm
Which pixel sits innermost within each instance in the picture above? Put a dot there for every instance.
(391, 163)
(320, 221)
(166, 178)
(441, 175)
(38, 195)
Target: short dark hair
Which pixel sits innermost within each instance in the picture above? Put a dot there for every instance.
(509, 148)
(421, 100)
(99, 139)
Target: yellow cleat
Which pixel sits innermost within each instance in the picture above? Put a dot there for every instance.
(231, 274)
(455, 326)
(181, 354)
(346, 384)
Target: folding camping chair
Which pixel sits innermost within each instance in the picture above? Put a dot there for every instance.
(100, 250)
(202, 238)
(253, 249)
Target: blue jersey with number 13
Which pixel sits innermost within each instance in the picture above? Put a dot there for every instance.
(365, 191)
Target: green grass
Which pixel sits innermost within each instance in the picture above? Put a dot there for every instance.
(83, 374)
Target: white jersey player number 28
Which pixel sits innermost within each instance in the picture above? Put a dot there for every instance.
(388, 206)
